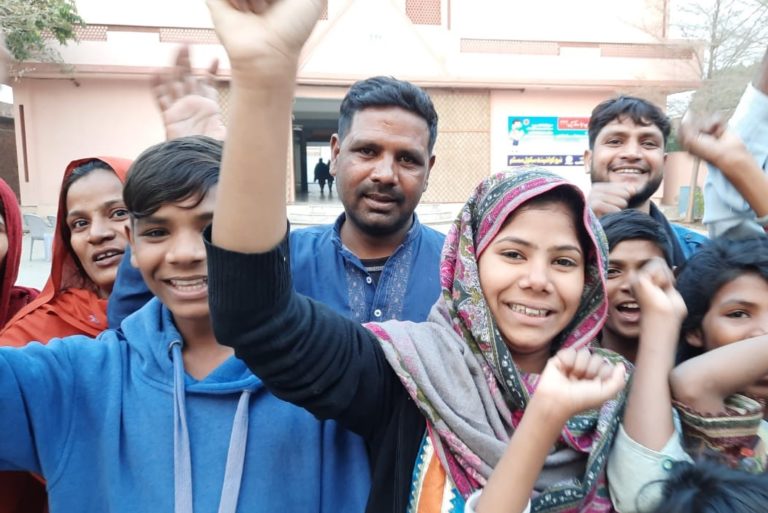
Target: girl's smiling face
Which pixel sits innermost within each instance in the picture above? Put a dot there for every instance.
(737, 311)
(532, 277)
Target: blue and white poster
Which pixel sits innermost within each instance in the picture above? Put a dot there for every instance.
(546, 141)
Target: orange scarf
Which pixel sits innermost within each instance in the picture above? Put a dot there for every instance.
(68, 304)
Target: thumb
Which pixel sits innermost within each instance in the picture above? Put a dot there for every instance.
(616, 381)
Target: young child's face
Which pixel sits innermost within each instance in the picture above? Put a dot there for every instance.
(169, 251)
(624, 261)
(532, 277)
(738, 311)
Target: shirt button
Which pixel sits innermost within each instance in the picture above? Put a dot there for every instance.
(377, 313)
(368, 280)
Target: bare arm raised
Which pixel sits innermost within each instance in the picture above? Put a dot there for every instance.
(704, 382)
(263, 44)
(573, 381)
(648, 418)
(709, 140)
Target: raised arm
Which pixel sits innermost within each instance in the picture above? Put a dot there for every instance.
(736, 187)
(722, 148)
(648, 417)
(573, 381)
(303, 351)
(704, 382)
(263, 48)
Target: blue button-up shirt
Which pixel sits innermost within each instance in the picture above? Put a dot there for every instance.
(326, 270)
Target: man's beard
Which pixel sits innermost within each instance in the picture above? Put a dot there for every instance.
(645, 193)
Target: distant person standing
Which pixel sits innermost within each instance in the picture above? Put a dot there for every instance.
(322, 175)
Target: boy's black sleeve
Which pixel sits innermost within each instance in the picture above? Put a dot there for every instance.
(303, 351)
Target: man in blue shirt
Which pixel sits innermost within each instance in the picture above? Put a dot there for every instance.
(625, 159)
(377, 261)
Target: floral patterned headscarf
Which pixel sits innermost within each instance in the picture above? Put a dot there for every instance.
(459, 371)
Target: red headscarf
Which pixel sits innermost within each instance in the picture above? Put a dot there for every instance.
(68, 304)
(12, 298)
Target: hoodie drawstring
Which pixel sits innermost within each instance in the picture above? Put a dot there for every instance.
(182, 461)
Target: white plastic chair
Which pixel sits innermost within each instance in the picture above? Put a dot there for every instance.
(38, 230)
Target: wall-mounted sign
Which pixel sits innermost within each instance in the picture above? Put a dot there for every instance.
(546, 141)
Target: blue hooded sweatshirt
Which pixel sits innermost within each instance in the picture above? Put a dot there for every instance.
(116, 425)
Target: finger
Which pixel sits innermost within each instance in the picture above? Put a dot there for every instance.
(182, 58)
(657, 270)
(606, 369)
(213, 70)
(181, 70)
(714, 125)
(176, 89)
(192, 85)
(241, 5)
(580, 364)
(601, 208)
(616, 382)
(615, 201)
(566, 358)
(257, 6)
(164, 101)
(594, 365)
(623, 190)
(162, 95)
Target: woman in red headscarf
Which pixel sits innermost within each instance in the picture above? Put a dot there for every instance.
(89, 242)
(12, 297)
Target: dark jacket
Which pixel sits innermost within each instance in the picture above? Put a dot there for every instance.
(313, 357)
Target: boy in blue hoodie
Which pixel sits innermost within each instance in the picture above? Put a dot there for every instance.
(157, 416)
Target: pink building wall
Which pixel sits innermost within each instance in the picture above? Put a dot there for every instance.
(65, 122)
(531, 62)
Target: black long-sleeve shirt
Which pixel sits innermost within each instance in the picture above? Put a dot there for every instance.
(311, 356)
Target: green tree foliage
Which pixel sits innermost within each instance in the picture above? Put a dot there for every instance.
(29, 24)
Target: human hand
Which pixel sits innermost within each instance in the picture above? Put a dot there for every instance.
(263, 38)
(653, 286)
(188, 104)
(577, 380)
(710, 140)
(608, 197)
